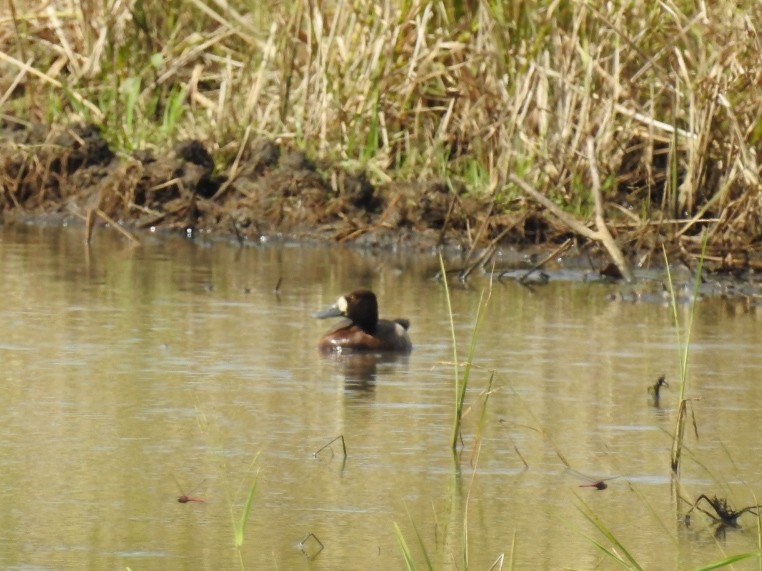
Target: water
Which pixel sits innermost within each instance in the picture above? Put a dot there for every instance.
(128, 368)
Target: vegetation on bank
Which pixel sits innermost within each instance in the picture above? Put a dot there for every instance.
(443, 105)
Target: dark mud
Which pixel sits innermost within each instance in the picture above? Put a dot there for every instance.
(266, 190)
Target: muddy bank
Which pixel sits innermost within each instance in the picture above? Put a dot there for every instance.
(267, 190)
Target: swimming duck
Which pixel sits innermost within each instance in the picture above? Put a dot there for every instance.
(363, 330)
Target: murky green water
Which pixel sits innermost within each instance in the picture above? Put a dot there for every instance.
(127, 368)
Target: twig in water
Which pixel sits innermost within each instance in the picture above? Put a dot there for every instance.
(558, 251)
(486, 254)
(518, 453)
(311, 553)
(236, 231)
(343, 446)
(106, 218)
(655, 389)
(498, 564)
(490, 249)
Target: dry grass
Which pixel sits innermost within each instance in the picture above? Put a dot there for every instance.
(478, 90)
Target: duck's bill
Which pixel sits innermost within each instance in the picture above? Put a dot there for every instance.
(332, 311)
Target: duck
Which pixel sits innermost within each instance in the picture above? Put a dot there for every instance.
(362, 330)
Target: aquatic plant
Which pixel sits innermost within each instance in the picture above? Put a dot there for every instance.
(683, 335)
(406, 553)
(615, 548)
(239, 525)
(239, 522)
(461, 383)
(724, 514)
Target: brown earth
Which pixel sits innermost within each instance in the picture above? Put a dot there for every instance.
(268, 190)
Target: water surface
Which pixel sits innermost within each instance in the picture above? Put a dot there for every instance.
(128, 368)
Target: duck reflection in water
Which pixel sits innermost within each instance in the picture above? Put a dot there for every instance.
(361, 370)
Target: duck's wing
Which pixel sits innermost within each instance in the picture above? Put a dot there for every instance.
(392, 335)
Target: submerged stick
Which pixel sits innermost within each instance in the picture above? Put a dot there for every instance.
(655, 389)
(118, 227)
(487, 253)
(89, 218)
(560, 250)
(343, 446)
(304, 547)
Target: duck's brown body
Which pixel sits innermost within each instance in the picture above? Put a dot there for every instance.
(362, 330)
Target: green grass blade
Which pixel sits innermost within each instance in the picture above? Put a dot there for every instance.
(683, 343)
(625, 559)
(409, 563)
(244, 520)
(461, 395)
(421, 544)
(728, 561)
(456, 422)
(461, 384)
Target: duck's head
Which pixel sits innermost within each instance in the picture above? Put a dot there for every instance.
(360, 306)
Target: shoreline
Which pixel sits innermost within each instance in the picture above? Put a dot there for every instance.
(271, 190)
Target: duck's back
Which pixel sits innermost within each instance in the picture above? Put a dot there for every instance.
(388, 336)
